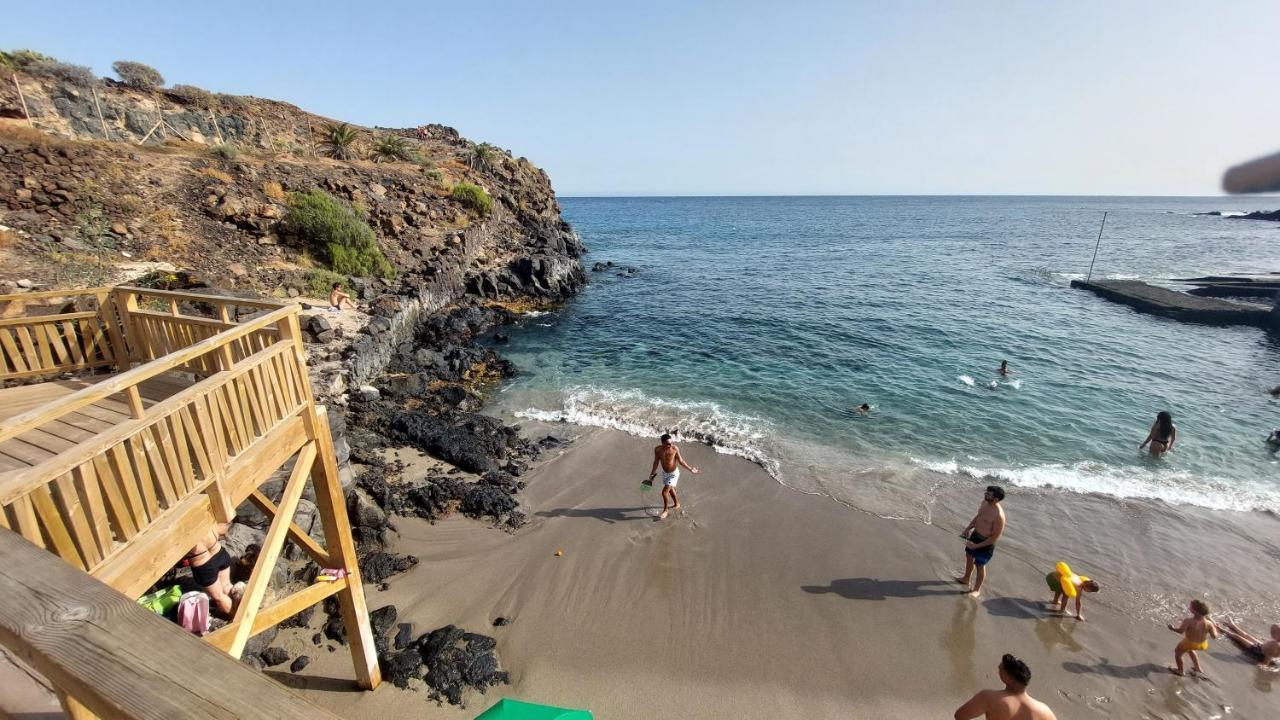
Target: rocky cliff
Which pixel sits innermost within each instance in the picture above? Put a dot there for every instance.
(200, 182)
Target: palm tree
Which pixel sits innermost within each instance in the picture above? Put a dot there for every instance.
(390, 148)
(339, 141)
(482, 157)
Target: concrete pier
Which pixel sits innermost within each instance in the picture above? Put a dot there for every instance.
(1180, 306)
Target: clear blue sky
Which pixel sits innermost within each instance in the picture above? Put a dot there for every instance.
(746, 97)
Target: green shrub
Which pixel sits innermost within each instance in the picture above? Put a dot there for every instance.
(319, 282)
(224, 151)
(192, 95)
(336, 233)
(474, 197)
(21, 59)
(138, 75)
(483, 156)
(34, 63)
(433, 176)
(390, 148)
(338, 141)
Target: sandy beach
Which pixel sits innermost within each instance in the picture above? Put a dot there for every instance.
(761, 602)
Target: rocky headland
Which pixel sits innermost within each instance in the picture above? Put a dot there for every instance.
(107, 182)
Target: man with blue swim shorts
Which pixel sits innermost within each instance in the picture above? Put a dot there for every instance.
(982, 533)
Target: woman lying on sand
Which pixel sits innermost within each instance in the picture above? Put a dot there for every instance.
(1263, 653)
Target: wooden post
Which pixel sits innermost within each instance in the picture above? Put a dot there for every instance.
(112, 316)
(106, 135)
(153, 129)
(126, 305)
(22, 99)
(332, 509)
(214, 119)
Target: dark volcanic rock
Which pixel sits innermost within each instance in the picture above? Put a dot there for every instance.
(475, 443)
(380, 565)
(300, 663)
(401, 667)
(487, 501)
(273, 656)
(334, 629)
(382, 619)
(404, 636)
(456, 660)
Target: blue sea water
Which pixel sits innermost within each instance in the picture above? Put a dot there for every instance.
(758, 324)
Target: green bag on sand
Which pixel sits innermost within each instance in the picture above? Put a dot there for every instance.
(508, 709)
(162, 601)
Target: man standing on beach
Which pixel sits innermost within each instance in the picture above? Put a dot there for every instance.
(982, 533)
(1011, 703)
(667, 456)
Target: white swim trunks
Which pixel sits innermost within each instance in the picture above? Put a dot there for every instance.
(669, 479)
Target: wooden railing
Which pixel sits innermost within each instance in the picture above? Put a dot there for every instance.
(110, 658)
(125, 503)
(58, 340)
(86, 501)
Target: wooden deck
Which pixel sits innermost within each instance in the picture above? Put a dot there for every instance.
(119, 474)
(35, 446)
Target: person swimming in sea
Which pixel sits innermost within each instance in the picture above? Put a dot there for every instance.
(1162, 436)
(864, 409)
(1004, 368)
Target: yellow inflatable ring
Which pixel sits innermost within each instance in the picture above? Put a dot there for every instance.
(1069, 580)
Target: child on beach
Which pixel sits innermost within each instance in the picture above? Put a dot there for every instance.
(1082, 584)
(1196, 631)
(1264, 653)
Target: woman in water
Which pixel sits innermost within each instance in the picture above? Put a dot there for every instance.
(1163, 434)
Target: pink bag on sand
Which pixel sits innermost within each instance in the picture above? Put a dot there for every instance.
(193, 612)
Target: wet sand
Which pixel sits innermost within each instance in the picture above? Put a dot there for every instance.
(761, 602)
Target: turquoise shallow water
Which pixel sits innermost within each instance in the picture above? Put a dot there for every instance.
(757, 324)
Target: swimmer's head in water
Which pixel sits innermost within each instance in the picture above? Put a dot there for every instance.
(995, 492)
(1090, 586)
(666, 439)
(1015, 671)
(1200, 608)
(864, 407)
(1004, 364)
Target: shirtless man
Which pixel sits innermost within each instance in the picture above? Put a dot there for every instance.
(1011, 703)
(982, 533)
(668, 457)
(1264, 653)
(337, 297)
(211, 568)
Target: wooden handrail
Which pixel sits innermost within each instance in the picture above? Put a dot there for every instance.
(197, 297)
(46, 294)
(16, 483)
(32, 319)
(38, 416)
(119, 660)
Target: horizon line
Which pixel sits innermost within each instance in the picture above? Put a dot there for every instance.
(603, 196)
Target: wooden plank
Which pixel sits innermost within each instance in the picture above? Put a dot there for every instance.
(72, 508)
(197, 298)
(245, 472)
(16, 360)
(27, 524)
(256, 589)
(332, 509)
(87, 487)
(73, 341)
(279, 611)
(136, 451)
(296, 534)
(62, 358)
(123, 467)
(51, 294)
(51, 318)
(54, 528)
(155, 465)
(133, 568)
(122, 471)
(231, 419)
(41, 339)
(117, 510)
(28, 348)
(168, 446)
(119, 660)
(186, 470)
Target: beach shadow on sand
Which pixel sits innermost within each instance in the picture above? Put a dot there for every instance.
(313, 682)
(1014, 607)
(1124, 672)
(865, 588)
(605, 515)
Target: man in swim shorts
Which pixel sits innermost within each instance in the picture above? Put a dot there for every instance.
(667, 456)
(1264, 653)
(982, 533)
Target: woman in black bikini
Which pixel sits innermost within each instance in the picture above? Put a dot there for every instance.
(1163, 434)
(211, 568)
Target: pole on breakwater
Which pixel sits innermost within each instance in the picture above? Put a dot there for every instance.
(1095, 247)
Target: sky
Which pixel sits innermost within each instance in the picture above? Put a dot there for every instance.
(745, 98)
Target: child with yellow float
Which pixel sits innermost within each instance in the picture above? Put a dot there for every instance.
(1066, 584)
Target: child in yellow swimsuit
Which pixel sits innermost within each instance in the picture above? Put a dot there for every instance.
(1196, 631)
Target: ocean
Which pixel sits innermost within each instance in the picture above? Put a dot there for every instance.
(757, 325)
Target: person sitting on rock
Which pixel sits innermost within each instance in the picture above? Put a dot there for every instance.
(337, 297)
